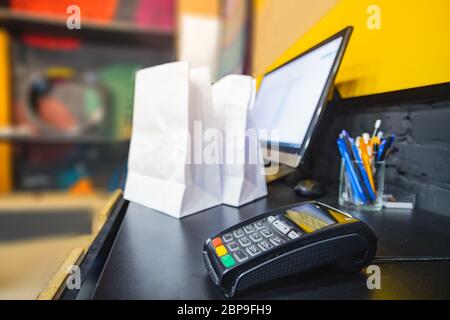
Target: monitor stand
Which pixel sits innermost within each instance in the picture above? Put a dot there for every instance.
(283, 171)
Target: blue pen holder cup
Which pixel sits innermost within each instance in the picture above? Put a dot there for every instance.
(350, 190)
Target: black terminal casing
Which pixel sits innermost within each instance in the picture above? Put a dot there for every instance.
(349, 244)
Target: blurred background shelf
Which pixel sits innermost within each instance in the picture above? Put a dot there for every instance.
(74, 81)
(127, 33)
(17, 137)
(53, 79)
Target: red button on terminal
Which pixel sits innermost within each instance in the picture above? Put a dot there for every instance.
(216, 242)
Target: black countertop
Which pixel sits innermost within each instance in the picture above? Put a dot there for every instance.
(155, 256)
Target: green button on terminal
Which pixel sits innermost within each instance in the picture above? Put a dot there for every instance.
(228, 261)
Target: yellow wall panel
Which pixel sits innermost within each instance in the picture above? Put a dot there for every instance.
(279, 23)
(202, 7)
(411, 49)
(5, 116)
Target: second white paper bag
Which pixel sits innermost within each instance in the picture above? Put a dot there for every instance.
(161, 174)
(243, 178)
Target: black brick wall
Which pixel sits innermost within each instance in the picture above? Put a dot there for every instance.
(420, 162)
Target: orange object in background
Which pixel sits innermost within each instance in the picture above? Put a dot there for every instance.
(82, 187)
(102, 10)
(56, 114)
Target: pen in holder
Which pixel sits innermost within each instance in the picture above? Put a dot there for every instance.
(359, 190)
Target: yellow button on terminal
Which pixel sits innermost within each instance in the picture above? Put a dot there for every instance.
(221, 251)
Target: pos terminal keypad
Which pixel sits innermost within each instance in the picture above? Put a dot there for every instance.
(253, 239)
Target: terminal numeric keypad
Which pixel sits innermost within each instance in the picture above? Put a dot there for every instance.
(253, 239)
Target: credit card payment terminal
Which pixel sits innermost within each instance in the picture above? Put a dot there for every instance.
(286, 241)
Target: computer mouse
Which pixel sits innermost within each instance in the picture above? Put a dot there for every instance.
(309, 189)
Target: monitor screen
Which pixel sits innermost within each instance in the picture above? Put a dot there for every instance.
(289, 96)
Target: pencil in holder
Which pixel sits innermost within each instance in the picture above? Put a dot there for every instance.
(361, 187)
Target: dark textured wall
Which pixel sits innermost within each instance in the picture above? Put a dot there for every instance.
(420, 162)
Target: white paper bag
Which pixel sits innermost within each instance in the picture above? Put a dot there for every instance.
(243, 178)
(161, 174)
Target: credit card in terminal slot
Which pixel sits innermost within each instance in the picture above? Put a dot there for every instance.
(286, 241)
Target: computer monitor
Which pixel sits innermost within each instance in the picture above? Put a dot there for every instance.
(292, 98)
